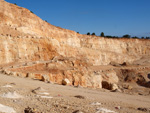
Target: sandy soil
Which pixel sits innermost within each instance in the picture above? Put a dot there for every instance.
(66, 99)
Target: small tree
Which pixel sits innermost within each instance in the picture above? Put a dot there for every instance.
(115, 37)
(102, 34)
(93, 33)
(142, 37)
(108, 36)
(88, 33)
(126, 36)
(135, 37)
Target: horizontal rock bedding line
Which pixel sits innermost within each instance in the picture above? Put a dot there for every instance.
(92, 81)
(8, 36)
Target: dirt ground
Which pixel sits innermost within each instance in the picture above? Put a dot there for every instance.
(40, 97)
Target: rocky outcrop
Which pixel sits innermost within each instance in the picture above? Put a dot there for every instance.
(14, 49)
(23, 30)
(63, 54)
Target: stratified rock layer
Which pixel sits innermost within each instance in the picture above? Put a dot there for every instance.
(19, 24)
(24, 37)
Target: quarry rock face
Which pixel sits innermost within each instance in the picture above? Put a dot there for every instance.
(25, 30)
(63, 54)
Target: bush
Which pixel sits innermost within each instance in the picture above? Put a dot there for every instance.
(126, 36)
(88, 33)
(93, 33)
(102, 34)
(135, 37)
(147, 37)
(109, 36)
(142, 37)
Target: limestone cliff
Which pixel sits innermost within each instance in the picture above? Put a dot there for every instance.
(24, 37)
(23, 30)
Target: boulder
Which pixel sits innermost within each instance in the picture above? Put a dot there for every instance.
(31, 75)
(65, 82)
(114, 86)
(93, 80)
(45, 78)
(127, 86)
(97, 81)
(109, 86)
(112, 77)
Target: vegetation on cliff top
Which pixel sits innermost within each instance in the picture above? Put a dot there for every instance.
(124, 36)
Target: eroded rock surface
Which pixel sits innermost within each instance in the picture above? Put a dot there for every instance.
(31, 47)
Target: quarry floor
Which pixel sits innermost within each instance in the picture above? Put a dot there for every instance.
(53, 98)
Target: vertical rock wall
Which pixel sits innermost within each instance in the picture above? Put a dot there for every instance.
(24, 36)
(14, 49)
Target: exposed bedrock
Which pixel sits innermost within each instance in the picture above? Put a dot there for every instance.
(25, 38)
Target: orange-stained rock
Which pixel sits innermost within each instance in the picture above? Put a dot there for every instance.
(65, 82)
(83, 81)
(76, 81)
(97, 81)
(45, 78)
(38, 76)
(31, 47)
(26, 37)
(110, 76)
(58, 78)
(31, 75)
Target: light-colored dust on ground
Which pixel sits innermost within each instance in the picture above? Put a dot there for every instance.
(67, 99)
